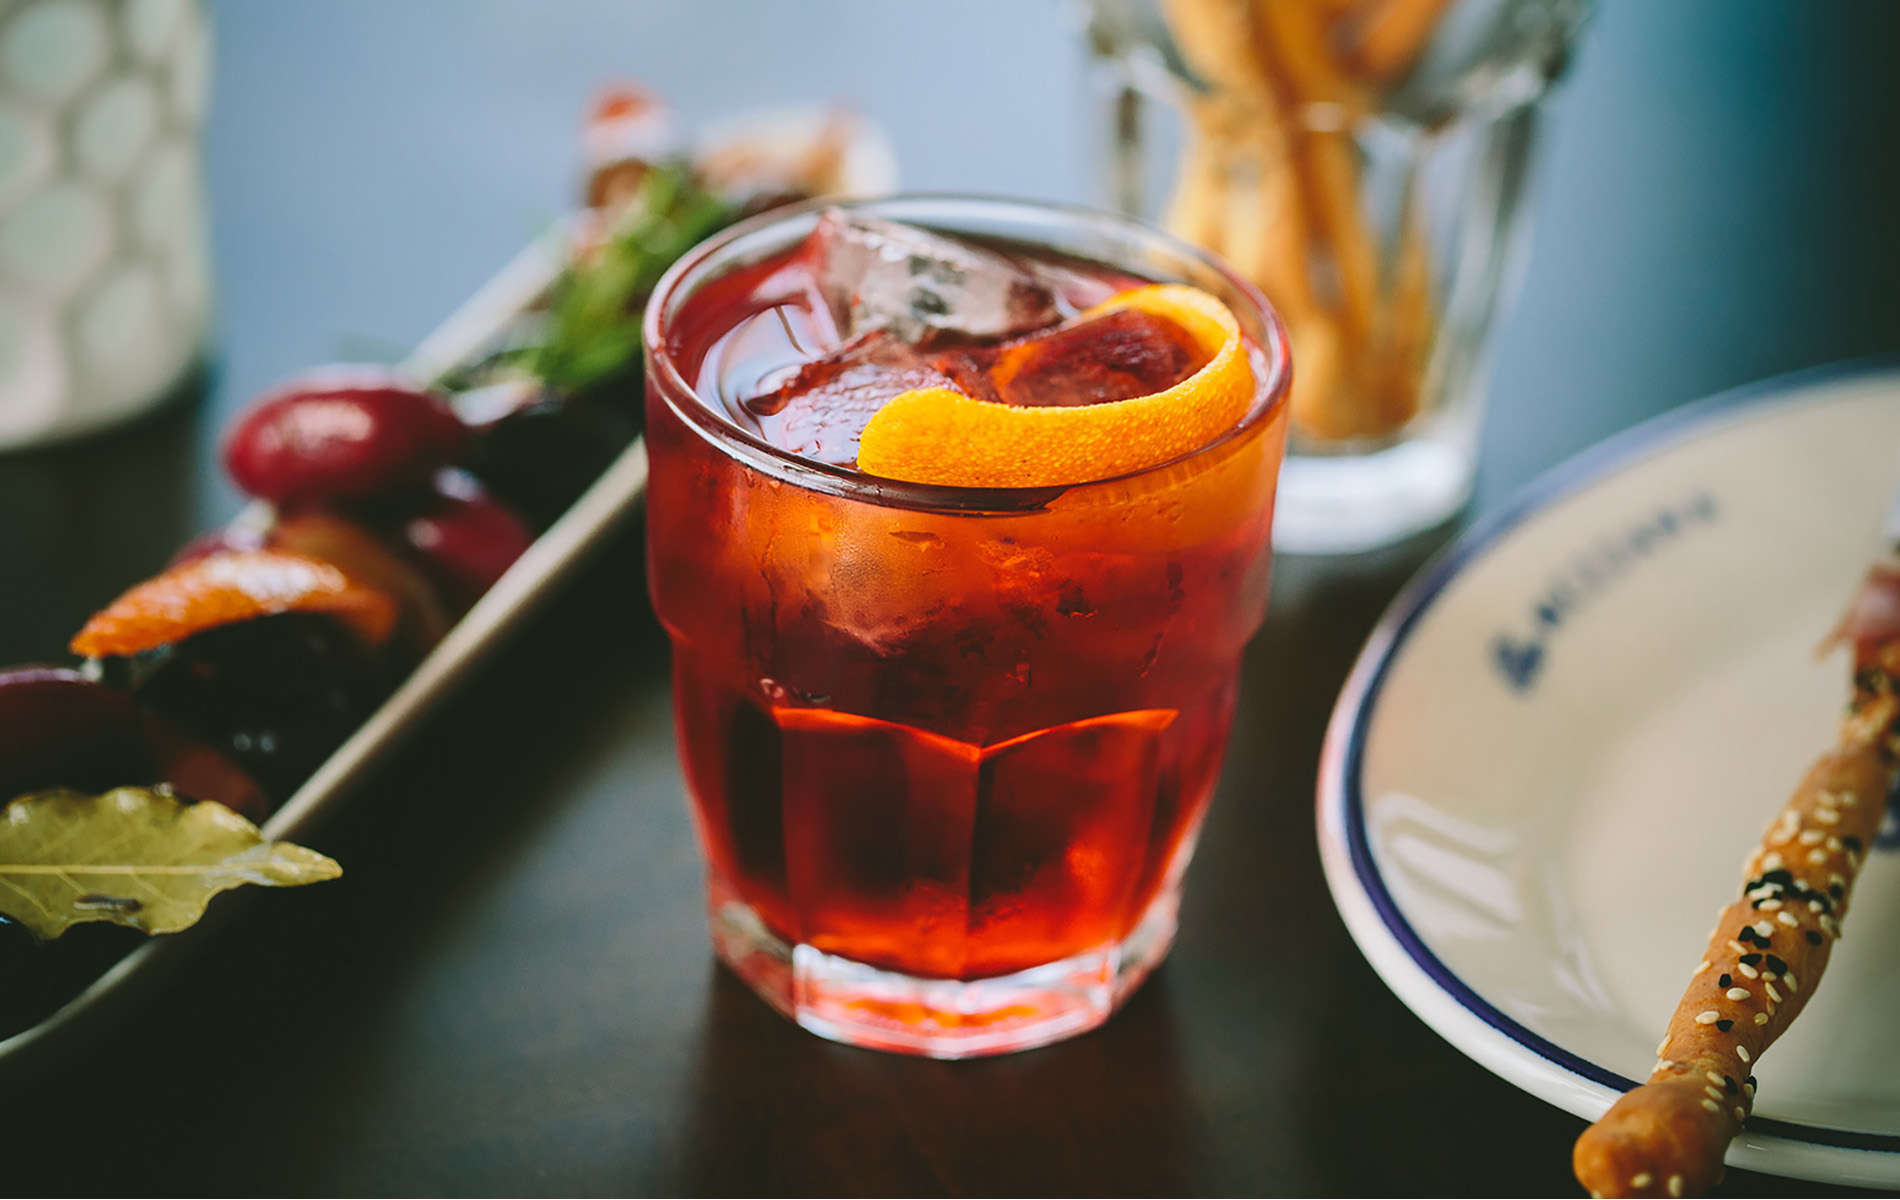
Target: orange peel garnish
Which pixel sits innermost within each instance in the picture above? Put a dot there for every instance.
(233, 585)
(938, 435)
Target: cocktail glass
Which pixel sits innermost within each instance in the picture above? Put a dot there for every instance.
(948, 749)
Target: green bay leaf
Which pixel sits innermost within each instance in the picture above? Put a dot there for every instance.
(134, 857)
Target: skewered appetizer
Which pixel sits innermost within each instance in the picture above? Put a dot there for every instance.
(384, 507)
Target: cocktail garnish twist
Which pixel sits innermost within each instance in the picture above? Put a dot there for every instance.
(939, 435)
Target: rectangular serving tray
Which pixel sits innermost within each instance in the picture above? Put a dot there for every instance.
(460, 340)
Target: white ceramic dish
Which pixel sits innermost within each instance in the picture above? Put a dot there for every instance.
(458, 340)
(1551, 758)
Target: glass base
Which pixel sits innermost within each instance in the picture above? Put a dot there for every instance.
(862, 1005)
(1358, 502)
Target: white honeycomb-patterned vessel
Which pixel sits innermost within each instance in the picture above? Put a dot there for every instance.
(104, 278)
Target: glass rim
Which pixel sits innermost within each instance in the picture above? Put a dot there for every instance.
(703, 264)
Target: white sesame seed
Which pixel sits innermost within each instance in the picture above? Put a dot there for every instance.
(1741, 1114)
(1772, 993)
(1708, 1018)
(1747, 970)
(1769, 975)
(1853, 860)
(1761, 1018)
(1641, 1181)
(1827, 816)
(1847, 798)
(1700, 968)
(1662, 1046)
(1748, 1089)
(1742, 1053)
(1794, 985)
(1833, 843)
(1713, 1091)
(1811, 837)
(1814, 906)
(1763, 928)
(1711, 1105)
(1715, 1077)
(1771, 860)
(1787, 918)
(1675, 1186)
(1664, 1064)
(1835, 877)
(1769, 905)
(1740, 993)
(1737, 946)
(1817, 857)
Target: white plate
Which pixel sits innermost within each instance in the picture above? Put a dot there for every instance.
(1553, 755)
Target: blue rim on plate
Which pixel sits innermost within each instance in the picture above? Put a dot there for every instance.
(1340, 799)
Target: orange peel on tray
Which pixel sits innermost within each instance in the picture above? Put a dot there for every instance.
(937, 435)
(230, 586)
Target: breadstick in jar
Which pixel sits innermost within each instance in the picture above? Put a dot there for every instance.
(1667, 1137)
(1386, 38)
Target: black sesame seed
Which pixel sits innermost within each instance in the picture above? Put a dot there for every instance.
(1727, 980)
(1836, 891)
(1751, 1081)
(1725, 1024)
(1777, 965)
(1753, 960)
(1814, 938)
(1852, 843)
(1728, 1081)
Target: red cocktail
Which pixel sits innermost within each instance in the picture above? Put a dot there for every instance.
(948, 746)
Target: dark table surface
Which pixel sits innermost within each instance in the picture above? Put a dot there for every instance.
(510, 990)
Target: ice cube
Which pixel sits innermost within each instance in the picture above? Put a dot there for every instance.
(1116, 356)
(922, 286)
(820, 411)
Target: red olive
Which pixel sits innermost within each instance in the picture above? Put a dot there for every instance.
(466, 537)
(350, 433)
(60, 729)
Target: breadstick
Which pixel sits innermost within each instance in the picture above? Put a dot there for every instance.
(1197, 210)
(1268, 230)
(1384, 42)
(1667, 1137)
(1293, 47)
(1214, 36)
(1405, 332)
